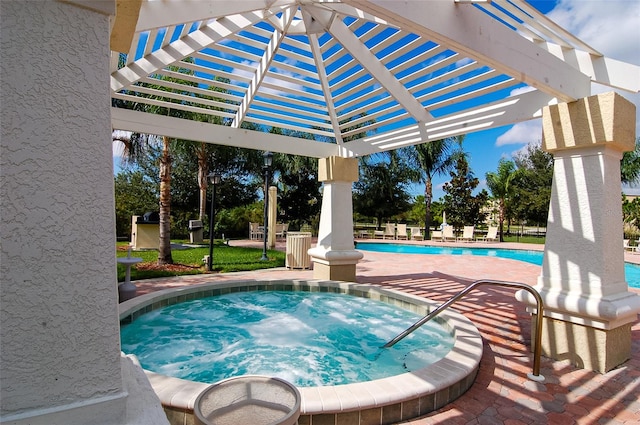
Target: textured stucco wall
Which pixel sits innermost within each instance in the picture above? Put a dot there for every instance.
(58, 304)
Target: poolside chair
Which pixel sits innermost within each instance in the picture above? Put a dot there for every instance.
(436, 236)
(492, 235)
(415, 234)
(378, 234)
(447, 234)
(626, 246)
(389, 231)
(467, 234)
(402, 231)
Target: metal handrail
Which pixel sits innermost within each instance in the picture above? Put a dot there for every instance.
(537, 344)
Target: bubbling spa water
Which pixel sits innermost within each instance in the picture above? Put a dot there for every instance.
(306, 338)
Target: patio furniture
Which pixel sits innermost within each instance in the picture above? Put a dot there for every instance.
(281, 230)
(255, 231)
(492, 235)
(467, 234)
(415, 234)
(447, 234)
(389, 231)
(401, 231)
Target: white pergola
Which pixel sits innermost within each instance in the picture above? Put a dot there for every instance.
(361, 76)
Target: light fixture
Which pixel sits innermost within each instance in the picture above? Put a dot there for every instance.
(268, 160)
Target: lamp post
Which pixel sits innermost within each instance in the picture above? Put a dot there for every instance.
(268, 158)
(214, 179)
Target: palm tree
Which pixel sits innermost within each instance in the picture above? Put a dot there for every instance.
(433, 159)
(164, 246)
(630, 165)
(500, 186)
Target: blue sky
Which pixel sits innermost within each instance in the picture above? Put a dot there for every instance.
(610, 26)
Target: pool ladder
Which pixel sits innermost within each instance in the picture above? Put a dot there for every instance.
(535, 376)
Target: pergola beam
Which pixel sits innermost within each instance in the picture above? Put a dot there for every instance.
(519, 108)
(263, 68)
(160, 14)
(475, 34)
(177, 128)
(181, 48)
(360, 52)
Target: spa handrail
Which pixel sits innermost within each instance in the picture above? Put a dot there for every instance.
(537, 344)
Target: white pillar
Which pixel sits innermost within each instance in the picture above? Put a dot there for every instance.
(588, 308)
(59, 332)
(273, 216)
(334, 255)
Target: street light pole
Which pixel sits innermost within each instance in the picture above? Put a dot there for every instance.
(214, 179)
(268, 158)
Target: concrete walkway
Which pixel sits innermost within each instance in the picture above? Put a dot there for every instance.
(502, 394)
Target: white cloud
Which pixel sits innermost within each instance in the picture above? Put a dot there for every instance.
(610, 27)
(521, 134)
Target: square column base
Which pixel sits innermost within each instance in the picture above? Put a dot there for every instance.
(342, 272)
(585, 347)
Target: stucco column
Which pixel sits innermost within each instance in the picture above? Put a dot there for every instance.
(588, 307)
(334, 256)
(273, 216)
(59, 328)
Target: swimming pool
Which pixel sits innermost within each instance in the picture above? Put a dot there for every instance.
(632, 271)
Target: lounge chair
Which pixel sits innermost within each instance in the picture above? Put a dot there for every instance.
(627, 246)
(389, 231)
(467, 234)
(447, 234)
(378, 234)
(492, 235)
(415, 234)
(402, 231)
(436, 235)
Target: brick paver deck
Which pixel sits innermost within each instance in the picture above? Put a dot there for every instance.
(502, 394)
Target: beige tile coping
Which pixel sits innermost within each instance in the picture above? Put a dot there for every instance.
(380, 401)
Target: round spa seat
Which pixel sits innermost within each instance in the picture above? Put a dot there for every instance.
(251, 399)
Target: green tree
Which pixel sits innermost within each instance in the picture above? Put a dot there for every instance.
(299, 190)
(382, 190)
(532, 186)
(430, 160)
(134, 195)
(462, 207)
(501, 188)
(630, 216)
(630, 165)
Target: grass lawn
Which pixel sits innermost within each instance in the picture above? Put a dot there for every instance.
(524, 239)
(189, 261)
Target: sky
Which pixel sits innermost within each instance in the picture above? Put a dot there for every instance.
(610, 26)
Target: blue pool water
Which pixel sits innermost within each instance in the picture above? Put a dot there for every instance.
(632, 271)
(309, 339)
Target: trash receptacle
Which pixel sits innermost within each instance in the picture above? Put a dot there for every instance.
(251, 400)
(195, 231)
(297, 257)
